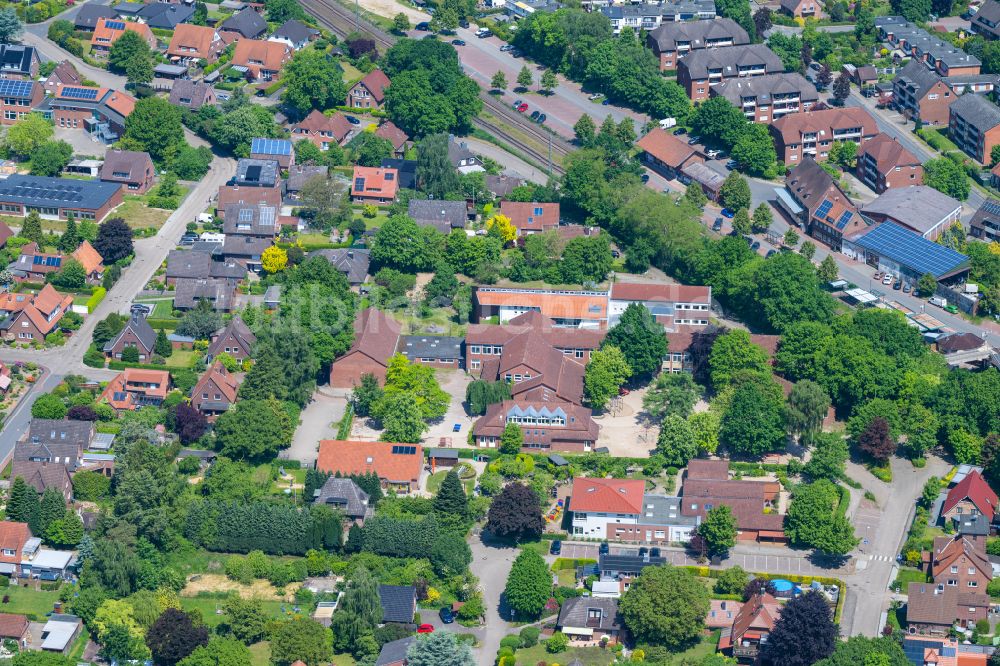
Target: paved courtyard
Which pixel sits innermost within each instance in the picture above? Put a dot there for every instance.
(83, 144)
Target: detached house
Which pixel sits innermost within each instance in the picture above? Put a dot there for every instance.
(262, 60)
(960, 561)
(819, 205)
(215, 392)
(33, 264)
(14, 539)
(666, 153)
(295, 33)
(191, 43)
(192, 94)
(18, 62)
(802, 8)
(396, 136)
(932, 610)
(322, 130)
(531, 217)
(137, 333)
(754, 622)
(369, 92)
(91, 261)
(672, 41)
(246, 23)
(700, 70)
(280, 150)
(590, 620)
(374, 185)
(707, 485)
(134, 388)
(376, 334)
(619, 510)
(971, 496)
(134, 170)
(55, 441)
(398, 466)
(30, 319)
(108, 31)
(884, 163)
(346, 496)
(236, 339)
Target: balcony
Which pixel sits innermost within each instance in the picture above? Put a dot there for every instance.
(746, 651)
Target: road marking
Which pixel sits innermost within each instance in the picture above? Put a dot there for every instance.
(880, 558)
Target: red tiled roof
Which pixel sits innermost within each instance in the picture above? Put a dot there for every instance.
(793, 125)
(388, 130)
(234, 194)
(13, 535)
(88, 257)
(12, 626)
(105, 35)
(317, 123)
(375, 181)
(607, 495)
(671, 293)
(121, 102)
(666, 147)
(888, 153)
(197, 37)
(376, 82)
(974, 488)
(220, 377)
(530, 216)
(353, 457)
(708, 469)
(257, 55)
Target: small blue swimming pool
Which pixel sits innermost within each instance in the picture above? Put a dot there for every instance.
(782, 585)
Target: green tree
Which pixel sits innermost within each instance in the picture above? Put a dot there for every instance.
(524, 78)
(401, 418)
(400, 23)
(512, 439)
(139, 70)
(762, 218)
(128, 47)
(254, 430)
(718, 530)
(450, 499)
(549, 81)
(754, 422)
(312, 80)
(154, 125)
(48, 406)
(605, 373)
(220, 651)
(676, 442)
(814, 521)
(828, 270)
(741, 222)
(695, 196)
(641, 339)
(301, 639)
(10, 26)
(807, 250)
(665, 606)
(70, 239)
(51, 509)
(735, 192)
(22, 503)
(72, 275)
(27, 134)
(912, 10)
(529, 585)
(440, 648)
(791, 238)
(945, 176)
(417, 380)
(584, 130)
(499, 81)
(435, 174)
(247, 619)
(671, 393)
(808, 404)
(731, 581)
(366, 394)
(754, 151)
(829, 457)
(586, 259)
(844, 153)
(733, 352)
(50, 158)
(926, 285)
(717, 121)
(162, 345)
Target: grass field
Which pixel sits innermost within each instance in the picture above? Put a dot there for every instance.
(351, 73)
(182, 358)
(588, 656)
(343, 660)
(697, 652)
(260, 654)
(24, 601)
(208, 605)
(907, 576)
(435, 480)
(140, 216)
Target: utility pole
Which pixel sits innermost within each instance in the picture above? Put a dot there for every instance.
(357, 16)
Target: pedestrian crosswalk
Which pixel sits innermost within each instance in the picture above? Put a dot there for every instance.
(880, 558)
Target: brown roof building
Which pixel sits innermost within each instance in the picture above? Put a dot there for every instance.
(666, 153)
(30, 319)
(485, 342)
(673, 40)
(215, 392)
(369, 92)
(753, 624)
(700, 70)
(91, 261)
(820, 206)
(398, 138)
(799, 134)
(236, 339)
(192, 94)
(748, 501)
(322, 130)
(802, 8)
(883, 163)
(397, 465)
(932, 609)
(136, 387)
(14, 628)
(531, 217)
(376, 334)
(262, 59)
(960, 561)
(920, 93)
(133, 169)
(190, 43)
(64, 74)
(44, 475)
(974, 124)
(545, 425)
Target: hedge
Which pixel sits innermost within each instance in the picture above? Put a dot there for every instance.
(122, 365)
(273, 88)
(163, 323)
(562, 563)
(96, 298)
(344, 430)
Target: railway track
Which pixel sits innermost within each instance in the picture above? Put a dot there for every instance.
(343, 21)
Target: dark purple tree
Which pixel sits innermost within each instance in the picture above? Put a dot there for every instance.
(173, 636)
(81, 413)
(189, 423)
(114, 240)
(756, 586)
(516, 514)
(804, 634)
(876, 440)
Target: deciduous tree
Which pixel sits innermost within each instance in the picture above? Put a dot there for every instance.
(735, 192)
(301, 639)
(254, 430)
(814, 521)
(312, 80)
(718, 530)
(804, 633)
(876, 441)
(512, 439)
(676, 442)
(605, 373)
(114, 240)
(665, 606)
(173, 636)
(641, 340)
(515, 514)
(945, 176)
(154, 124)
(529, 585)
(27, 134)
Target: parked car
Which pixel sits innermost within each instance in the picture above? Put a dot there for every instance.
(606, 102)
(423, 26)
(353, 120)
(534, 114)
(464, 23)
(522, 108)
(755, 246)
(693, 140)
(644, 178)
(141, 309)
(938, 301)
(898, 285)
(771, 253)
(717, 225)
(188, 238)
(556, 547)
(728, 213)
(679, 131)
(907, 288)
(623, 391)
(732, 164)
(604, 549)
(951, 309)
(458, 42)
(615, 254)
(516, 104)
(712, 154)
(542, 118)
(446, 615)
(482, 33)
(425, 629)
(887, 279)
(591, 97)
(506, 47)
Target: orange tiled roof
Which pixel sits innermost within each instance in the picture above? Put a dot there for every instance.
(553, 306)
(188, 36)
(13, 535)
(88, 257)
(531, 216)
(101, 92)
(121, 102)
(375, 182)
(353, 457)
(105, 34)
(257, 55)
(666, 147)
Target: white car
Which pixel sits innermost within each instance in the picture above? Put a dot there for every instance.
(712, 154)
(594, 96)
(887, 279)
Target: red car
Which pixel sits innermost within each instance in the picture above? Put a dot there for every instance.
(425, 629)
(522, 108)
(623, 391)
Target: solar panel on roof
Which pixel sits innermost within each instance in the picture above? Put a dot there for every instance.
(404, 450)
(253, 172)
(11, 88)
(359, 184)
(79, 93)
(115, 25)
(119, 396)
(911, 250)
(271, 146)
(246, 215)
(992, 207)
(824, 208)
(844, 218)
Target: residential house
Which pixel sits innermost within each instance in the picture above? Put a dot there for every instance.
(134, 170)
(18, 99)
(927, 651)
(253, 196)
(60, 632)
(5, 233)
(818, 204)
(108, 31)
(191, 43)
(192, 94)
(406, 171)
(565, 307)
(166, 15)
(399, 603)
(236, 339)
(394, 653)
(768, 97)
(280, 150)
(374, 185)
(932, 610)
(670, 304)
(884, 163)
(42, 476)
(246, 23)
(985, 223)
(33, 264)
(219, 293)
(971, 496)
(620, 510)
(919, 208)
(248, 219)
(974, 125)
(814, 133)
(590, 620)
(375, 336)
(398, 466)
(215, 391)
(442, 215)
(961, 561)
(91, 260)
(295, 34)
(135, 388)
(501, 186)
(65, 73)
(18, 62)
(531, 217)
(986, 21)
(346, 496)
(550, 425)
(30, 318)
(666, 153)
(14, 537)
(672, 41)
(941, 57)
(89, 14)
(462, 158)
(399, 139)
(55, 441)
(802, 8)
(369, 92)
(699, 70)
(137, 333)
(323, 130)
(14, 628)
(437, 351)
(253, 172)
(751, 627)
(707, 485)
(263, 60)
(920, 93)
(352, 262)
(189, 264)
(300, 174)
(649, 15)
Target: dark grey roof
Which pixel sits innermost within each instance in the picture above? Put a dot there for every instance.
(125, 166)
(442, 215)
(245, 246)
(394, 652)
(247, 22)
(431, 346)
(729, 59)
(443, 453)
(398, 602)
(46, 192)
(344, 494)
(406, 172)
(17, 58)
(976, 110)
(808, 182)
(576, 612)
(763, 87)
(250, 220)
(219, 293)
(196, 91)
(989, 10)
(974, 525)
(190, 264)
(207, 247)
(165, 15)
(352, 262)
(458, 151)
(557, 460)
(693, 8)
(272, 296)
(300, 174)
(919, 207)
(502, 185)
(627, 564)
(142, 330)
(696, 33)
(257, 173)
(295, 31)
(89, 13)
(126, 9)
(48, 439)
(916, 75)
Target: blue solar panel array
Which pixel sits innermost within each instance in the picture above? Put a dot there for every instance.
(844, 218)
(11, 88)
(79, 93)
(271, 147)
(115, 25)
(824, 208)
(912, 251)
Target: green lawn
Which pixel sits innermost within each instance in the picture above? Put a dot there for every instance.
(163, 308)
(351, 73)
(697, 652)
(208, 605)
(907, 575)
(24, 601)
(182, 359)
(343, 660)
(588, 656)
(260, 654)
(140, 216)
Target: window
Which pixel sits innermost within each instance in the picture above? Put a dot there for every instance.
(954, 570)
(476, 349)
(9, 552)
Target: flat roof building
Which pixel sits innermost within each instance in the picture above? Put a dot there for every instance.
(919, 208)
(55, 198)
(901, 252)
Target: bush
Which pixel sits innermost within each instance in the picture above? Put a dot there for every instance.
(993, 589)
(189, 465)
(983, 626)
(130, 355)
(512, 642)
(558, 643)
(529, 636)
(96, 298)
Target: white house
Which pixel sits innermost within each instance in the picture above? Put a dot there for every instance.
(670, 304)
(619, 510)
